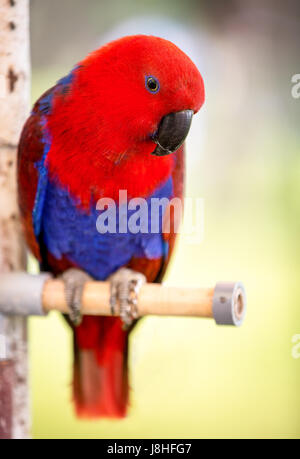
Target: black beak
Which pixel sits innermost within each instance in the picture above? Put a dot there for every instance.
(172, 132)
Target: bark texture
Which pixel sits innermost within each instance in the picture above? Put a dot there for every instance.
(6, 403)
(14, 107)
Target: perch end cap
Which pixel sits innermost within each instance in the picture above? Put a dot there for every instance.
(229, 303)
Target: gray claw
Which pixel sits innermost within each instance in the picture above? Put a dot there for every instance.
(74, 280)
(125, 285)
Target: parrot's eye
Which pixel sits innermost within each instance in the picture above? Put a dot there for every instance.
(152, 84)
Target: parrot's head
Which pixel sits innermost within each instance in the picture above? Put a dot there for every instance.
(144, 92)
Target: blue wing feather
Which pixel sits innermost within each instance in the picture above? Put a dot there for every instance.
(43, 108)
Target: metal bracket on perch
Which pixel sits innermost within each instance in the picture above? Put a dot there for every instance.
(26, 294)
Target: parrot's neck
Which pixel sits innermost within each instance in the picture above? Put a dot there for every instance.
(139, 174)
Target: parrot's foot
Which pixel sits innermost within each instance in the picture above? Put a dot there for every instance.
(74, 280)
(125, 285)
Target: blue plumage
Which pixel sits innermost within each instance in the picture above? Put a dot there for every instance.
(42, 181)
(71, 232)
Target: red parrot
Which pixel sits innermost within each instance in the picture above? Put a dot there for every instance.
(116, 122)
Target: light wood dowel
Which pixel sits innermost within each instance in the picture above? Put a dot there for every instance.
(154, 299)
(26, 294)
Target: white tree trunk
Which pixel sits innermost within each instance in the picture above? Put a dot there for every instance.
(14, 107)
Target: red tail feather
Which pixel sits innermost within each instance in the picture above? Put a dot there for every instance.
(100, 384)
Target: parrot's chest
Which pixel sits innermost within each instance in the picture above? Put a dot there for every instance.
(100, 243)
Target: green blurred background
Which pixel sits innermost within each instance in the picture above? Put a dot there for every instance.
(190, 378)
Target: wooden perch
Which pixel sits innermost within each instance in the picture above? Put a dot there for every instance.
(22, 293)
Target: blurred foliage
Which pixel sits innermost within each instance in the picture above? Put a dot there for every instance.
(81, 22)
